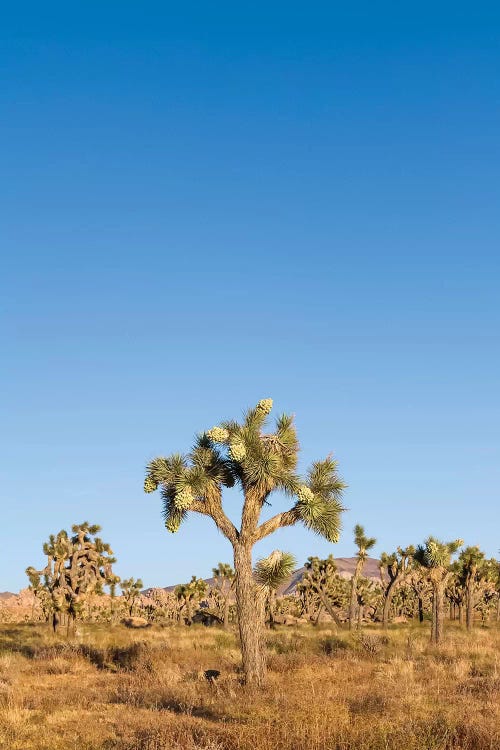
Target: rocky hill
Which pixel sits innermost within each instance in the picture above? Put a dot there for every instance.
(19, 606)
(16, 607)
(345, 568)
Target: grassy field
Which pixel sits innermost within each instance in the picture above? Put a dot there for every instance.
(117, 689)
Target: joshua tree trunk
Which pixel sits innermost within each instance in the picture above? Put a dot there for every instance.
(318, 614)
(437, 611)
(70, 623)
(225, 617)
(326, 604)
(469, 608)
(272, 608)
(389, 594)
(361, 613)
(420, 609)
(354, 593)
(434, 615)
(250, 616)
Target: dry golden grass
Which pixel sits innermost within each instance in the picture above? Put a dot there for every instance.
(116, 689)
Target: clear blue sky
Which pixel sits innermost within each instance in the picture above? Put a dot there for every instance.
(207, 204)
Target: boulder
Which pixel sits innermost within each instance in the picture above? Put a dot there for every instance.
(135, 622)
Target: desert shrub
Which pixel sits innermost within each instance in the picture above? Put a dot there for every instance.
(370, 643)
(332, 644)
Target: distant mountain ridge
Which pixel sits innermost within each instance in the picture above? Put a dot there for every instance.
(345, 568)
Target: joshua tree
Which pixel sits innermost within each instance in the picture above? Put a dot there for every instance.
(364, 544)
(435, 558)
(77, 566)
(395, 566)
(272, 572)
(189, 594)
(368, 594)
(260, 463)
(321, 581)
(159, 604)
(131, 591)
(404, 601)
(455, 593)
(421, 588)
(473, 572)
(223, 584)
(40, 594)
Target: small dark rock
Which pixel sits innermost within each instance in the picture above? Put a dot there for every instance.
(211, 675)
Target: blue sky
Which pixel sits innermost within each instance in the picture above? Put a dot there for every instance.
(204, 206)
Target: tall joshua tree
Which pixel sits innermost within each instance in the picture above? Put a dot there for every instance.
(393, 570)
(260, 463)
(364, 545)
(272, 572)
(435, 558)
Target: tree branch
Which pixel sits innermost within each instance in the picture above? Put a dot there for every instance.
(213, 507)
(198, 506)
(287, 518)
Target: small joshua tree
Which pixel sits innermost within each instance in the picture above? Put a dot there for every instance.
(188, 595)
(131, 591)
(393, 571)
(159, 604)
(40, 594)
(455, 594)
(223, 584)
(435, 558)
(473, 572)
(260, 463)
(364, 545)
(272, 572)
(368, 594)
(77, 567)
(321, 583)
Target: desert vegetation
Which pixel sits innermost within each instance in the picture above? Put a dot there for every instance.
(364, 653)
(116, 688)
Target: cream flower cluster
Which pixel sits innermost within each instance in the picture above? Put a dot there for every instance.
(172, 525)
(237, 450)
(183, 499)
(265, 405)
(304, 494)
(218, 434)
(150, 485)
